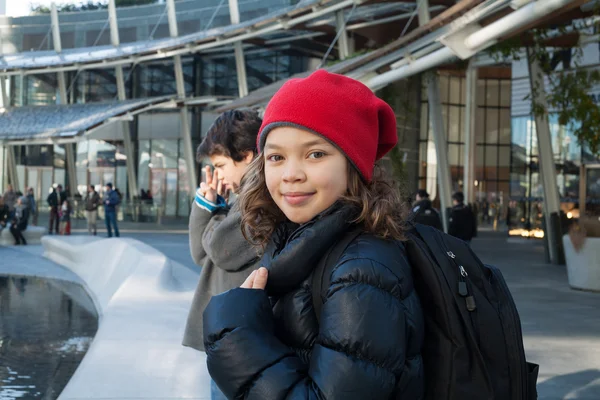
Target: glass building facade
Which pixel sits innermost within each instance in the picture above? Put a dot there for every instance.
(492, 135)
(158, 148)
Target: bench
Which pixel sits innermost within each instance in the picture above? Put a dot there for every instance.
(33, 235)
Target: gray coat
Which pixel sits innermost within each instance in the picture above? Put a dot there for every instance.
(226, 258)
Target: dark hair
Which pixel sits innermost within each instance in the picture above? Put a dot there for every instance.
(232, 135)
(378, 204)
(92, 187)
(109, 185)
(422, 193)
(458, 196)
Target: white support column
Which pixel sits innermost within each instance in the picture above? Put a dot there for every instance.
(4, 93)
(240, 61)
(546, 158)
(62, 90)
(122, 95)
(3, 167)
(343, 42)
(437, 124)
(62, 84)
(11, 161)
(185, 125)
(469, 131)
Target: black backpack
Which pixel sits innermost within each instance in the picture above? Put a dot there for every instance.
(473, 346)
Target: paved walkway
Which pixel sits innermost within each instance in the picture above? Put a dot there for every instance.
(561, 326)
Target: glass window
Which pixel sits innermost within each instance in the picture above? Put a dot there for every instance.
(504, 134)
(481, 92)
(463, 91)
(520, 132)
(98, 85)
(505, 93)
(491, 125)
(164, 154)
(59, 156)
(519, 159)
(455, 90)
(492, 93)
(101, 154)
(40, 89)
(491, 188)
(156, 80)
(444, 83)
(480, 125)
(491, 162)
(454, 124)
(454, 155)
(504, 162)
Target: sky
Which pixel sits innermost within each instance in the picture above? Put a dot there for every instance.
(18, 8)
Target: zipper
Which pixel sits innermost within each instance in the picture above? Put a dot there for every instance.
(464, 285)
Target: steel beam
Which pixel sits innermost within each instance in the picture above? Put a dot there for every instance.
(11, 163)
(469, 132)
(343, 41)
(186, 134)
(240, 60)
(62, 90)
(3, 92)
(439, 134)
(546, 159)
(132, 183)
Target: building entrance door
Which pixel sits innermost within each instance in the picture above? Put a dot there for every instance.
(40, 179)
(163, 182)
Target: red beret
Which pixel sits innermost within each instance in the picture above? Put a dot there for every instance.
(340, 109)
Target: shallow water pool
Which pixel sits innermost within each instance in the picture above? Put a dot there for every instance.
(46, 326)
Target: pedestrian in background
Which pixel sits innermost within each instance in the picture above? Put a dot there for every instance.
(53, 203)
(423, 211)
(92, 202)
(32, 206)
(111, 201)
(19, 221)
(216, 241)
(4, 214)
(314, 183)
(10, 199)
(65, 218)
(463, 224)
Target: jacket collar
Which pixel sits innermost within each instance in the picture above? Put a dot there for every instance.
(295, 250)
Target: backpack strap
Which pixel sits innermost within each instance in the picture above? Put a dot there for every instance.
(322, 273)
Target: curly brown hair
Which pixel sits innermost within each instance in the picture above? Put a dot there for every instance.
(378, 203)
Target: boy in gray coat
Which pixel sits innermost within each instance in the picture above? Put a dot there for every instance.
(216, 240)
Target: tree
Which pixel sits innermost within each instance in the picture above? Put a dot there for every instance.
(569, 88)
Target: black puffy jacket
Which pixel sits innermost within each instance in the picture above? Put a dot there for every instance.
(369, 342)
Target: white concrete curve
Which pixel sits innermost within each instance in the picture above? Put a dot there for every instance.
(583, 266)
(143, 299)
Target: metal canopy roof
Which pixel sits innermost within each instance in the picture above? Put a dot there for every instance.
(104, 56)
(307, 19)
(56, 123)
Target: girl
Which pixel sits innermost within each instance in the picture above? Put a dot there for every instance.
(314, 181)
(65, 218)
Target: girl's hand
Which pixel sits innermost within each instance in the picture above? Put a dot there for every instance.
(213, 186)
(257, 279)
